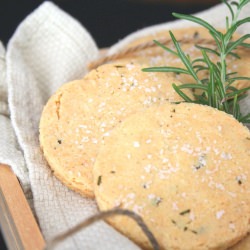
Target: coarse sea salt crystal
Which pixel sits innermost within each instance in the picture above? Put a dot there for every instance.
(94, 140)
(147, 168)
(232, 194)
(183, 194)
(216, 151)
(219, 186)
(137, 209)
(165, 160)
(106, 134)
(85, 139)
(232, 226)
(149, 156)
(175, 206)
(219, 214)
(82, 126)
(151, 196)
(186, 148)
(191, 216)
(153, 88)
(136, 144)
(130, 66)
(131, 195)
(226, 156)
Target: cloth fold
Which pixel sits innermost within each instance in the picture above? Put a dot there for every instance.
(10, 153)
(48, 49)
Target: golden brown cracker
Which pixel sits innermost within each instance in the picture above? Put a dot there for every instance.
(185, 169)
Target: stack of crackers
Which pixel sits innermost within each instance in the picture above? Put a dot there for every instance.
(119, 136)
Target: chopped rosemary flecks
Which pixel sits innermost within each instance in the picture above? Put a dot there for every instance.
(196, 35)
(201, 162)
(99, 180)
(216, 89)
(194, 232)
(119, 66)
(239, 180)
(187, 211)
(173, 221)
(186, 227)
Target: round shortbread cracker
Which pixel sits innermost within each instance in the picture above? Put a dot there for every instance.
(77, 118)
(185, 169)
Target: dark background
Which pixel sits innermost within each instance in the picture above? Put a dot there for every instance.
(107, 21)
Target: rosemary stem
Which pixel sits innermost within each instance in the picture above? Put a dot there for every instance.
(223, 70)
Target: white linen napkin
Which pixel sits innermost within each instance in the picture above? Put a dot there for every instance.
(48, 49)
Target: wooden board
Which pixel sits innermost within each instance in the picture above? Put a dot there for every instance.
(17, 221)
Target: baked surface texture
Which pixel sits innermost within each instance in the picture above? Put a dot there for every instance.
(185, 169)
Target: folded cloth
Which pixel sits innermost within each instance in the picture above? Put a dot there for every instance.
(50, 48)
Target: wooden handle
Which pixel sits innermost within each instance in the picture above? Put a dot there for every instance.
(17, 221)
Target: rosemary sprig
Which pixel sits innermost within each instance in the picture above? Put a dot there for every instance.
(217, 90)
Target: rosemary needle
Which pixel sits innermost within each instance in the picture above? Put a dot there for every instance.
(217, 91)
